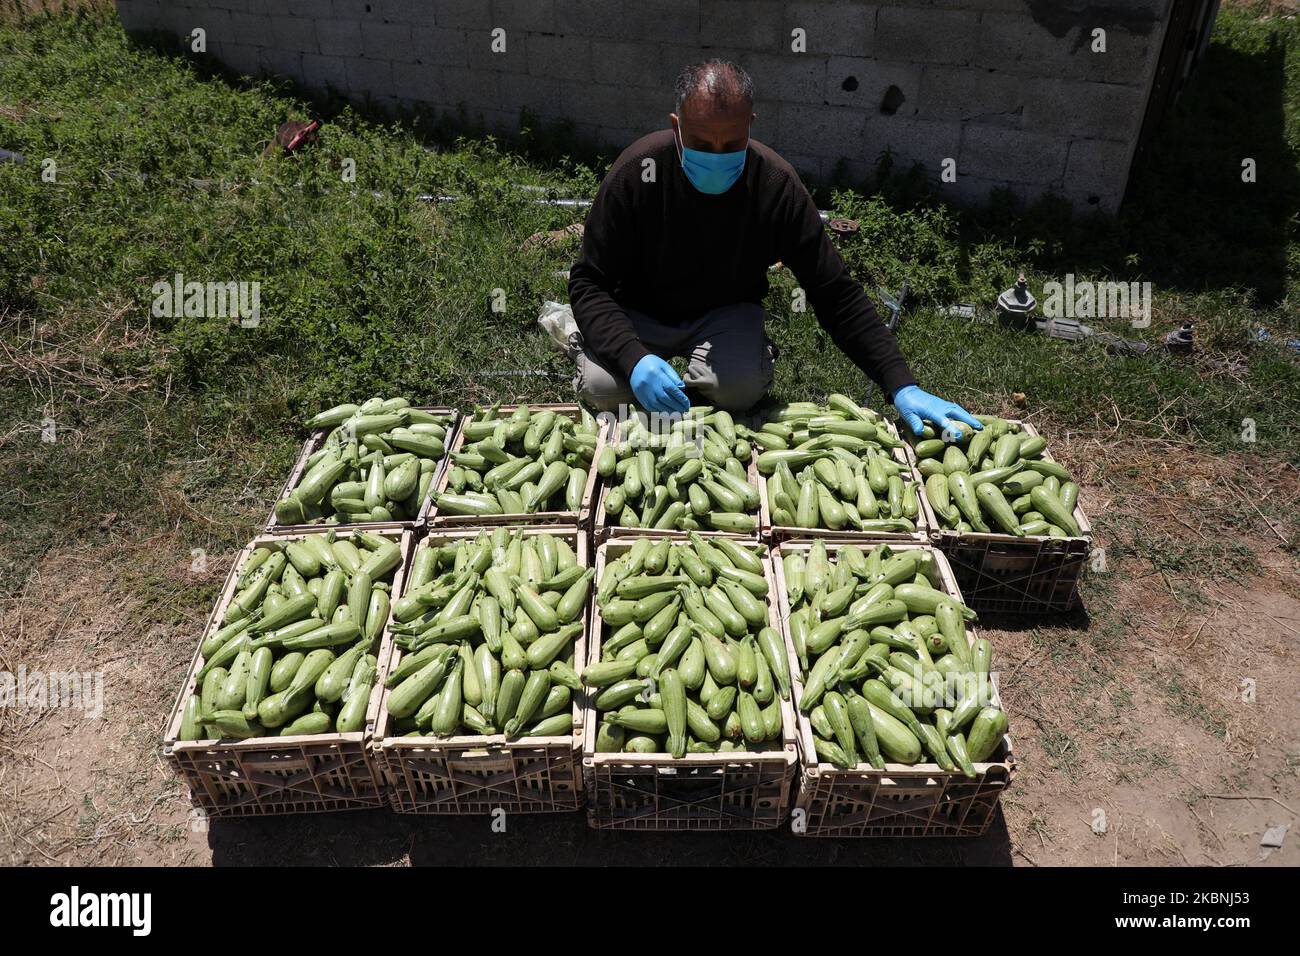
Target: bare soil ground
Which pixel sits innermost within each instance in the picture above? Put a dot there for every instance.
(1158, 725)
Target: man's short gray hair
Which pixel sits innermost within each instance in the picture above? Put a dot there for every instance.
(720, 79)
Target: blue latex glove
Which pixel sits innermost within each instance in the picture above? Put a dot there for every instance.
(914, 404)
(658, 387)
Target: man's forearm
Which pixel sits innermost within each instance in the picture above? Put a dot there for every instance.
(606, 329)
(855, 327)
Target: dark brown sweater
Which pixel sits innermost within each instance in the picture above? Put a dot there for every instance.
(668, 250)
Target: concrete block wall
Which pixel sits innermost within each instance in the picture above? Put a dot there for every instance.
(1008, 93)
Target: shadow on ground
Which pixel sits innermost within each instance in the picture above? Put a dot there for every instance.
(378, 837)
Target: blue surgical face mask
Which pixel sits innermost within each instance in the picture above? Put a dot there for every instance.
(711, 173)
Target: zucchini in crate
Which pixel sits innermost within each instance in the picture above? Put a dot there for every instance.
(889, 674)
(377, 463)
(530, 461)
(690, 476)
(488, 632)
(829, 466)
(997, 480)
(688, 661)
(296, 655)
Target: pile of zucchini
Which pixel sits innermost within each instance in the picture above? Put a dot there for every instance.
(527, 462)
(688, 663)
(997, 480)
(692, 476)
(488, 629)
(295, 653)
(376, 464)
(889, 674)
(829, 466)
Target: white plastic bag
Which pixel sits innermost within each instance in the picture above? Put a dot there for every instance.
(557, 319)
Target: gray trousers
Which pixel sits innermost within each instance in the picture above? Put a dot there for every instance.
(729, 359)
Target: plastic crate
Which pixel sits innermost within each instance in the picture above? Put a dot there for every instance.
(1005, 574)
(777, 533)
(579, 519)
(901, 800)
(475, 774)
(603, 529)
(659, 792)
(274, 526)
(273, 775)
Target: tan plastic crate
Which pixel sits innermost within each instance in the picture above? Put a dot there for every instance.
(272, 775)
(475, 774)
(902, 800)
(1004, 574)
(659, 792)
(273, 525)
(777, 533)
(603, 529)
(580, 519)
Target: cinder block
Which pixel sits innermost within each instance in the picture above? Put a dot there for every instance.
(500, 122)
(927, 36)
(138, 15)
(441, 47)
(983, 6)
(307, 9)
(415, 12)
(673, 58)
(790, 77)
(1013, 155)
(675, 21)
(214, 23)
(589, 18)
(1084, 110)
(1085, 201)
(767, 124)
(310, 9)
(349, 9)
(972, 192)
(808, 167)
(622, 61)
(294, 33)
(617, 138)
(617, 107)
(506, 54)
(241, 58)
(862, 83)
(537, 16)
(1098, 166)
(282, 64)
(846, 29)
(178, 21)
(826, 131)
(1018, 43)
(387, 41)
(464, 14)
(247, 29)
(366, 75)
(751, 24)
(979, 96)
(339, 37)
(566, 58)
(1129, 57)
(476, 90)
(289, 66)
(913, 141)
(322, 71)
(539, 95)
(419, 82)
